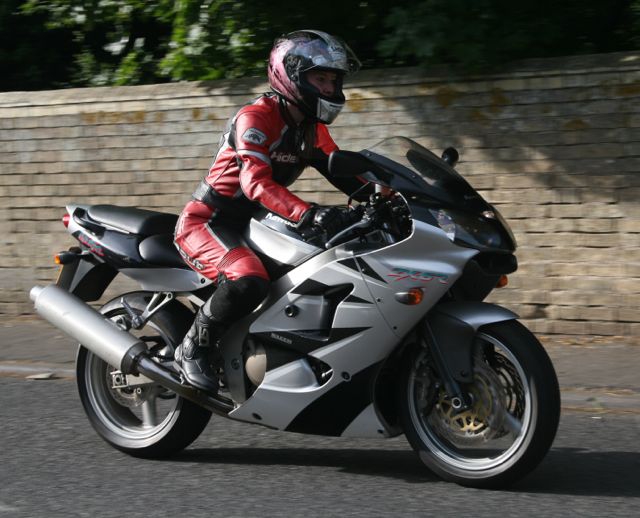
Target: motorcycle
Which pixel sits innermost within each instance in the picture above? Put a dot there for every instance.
(373, 332)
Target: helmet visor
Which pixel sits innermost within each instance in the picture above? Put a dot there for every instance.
(326, 52)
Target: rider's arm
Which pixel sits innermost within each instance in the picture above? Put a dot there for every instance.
(253, 136)
(324, 146)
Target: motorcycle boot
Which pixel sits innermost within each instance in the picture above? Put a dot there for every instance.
(198, 352)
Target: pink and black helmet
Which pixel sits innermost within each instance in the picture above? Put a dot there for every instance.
(298, 52)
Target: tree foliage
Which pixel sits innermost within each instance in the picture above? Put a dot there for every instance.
(487, 33)
(64, 43)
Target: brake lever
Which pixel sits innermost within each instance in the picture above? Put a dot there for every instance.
(364, 222)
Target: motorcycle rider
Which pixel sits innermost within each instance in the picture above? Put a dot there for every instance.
(268, 144)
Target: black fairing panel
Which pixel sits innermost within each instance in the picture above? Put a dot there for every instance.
(334, 411)
(86, 280)
(481, 275)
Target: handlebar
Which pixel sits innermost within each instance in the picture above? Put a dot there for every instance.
(363, 223)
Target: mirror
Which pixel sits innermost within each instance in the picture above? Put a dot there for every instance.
(451, 156)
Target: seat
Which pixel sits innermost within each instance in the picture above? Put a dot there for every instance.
(134, 220)
(159, 250)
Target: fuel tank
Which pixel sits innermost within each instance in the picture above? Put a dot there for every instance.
(277, 238)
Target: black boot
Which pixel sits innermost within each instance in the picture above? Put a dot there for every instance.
(195, 354)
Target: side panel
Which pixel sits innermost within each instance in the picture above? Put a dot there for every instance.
(167, 279)
(358, 339)
(427, 260)
(368, 323)
(86, 280)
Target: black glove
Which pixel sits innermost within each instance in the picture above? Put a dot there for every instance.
(330, 220)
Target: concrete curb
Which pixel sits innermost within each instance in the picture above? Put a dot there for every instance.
(15, 369)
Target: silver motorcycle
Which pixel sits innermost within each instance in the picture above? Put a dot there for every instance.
(376, 331)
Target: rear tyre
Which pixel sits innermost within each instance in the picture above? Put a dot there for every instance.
(148, 420)
(513, 418)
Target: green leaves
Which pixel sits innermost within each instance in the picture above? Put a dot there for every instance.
(62, 43)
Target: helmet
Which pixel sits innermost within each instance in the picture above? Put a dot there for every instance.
(298, 52)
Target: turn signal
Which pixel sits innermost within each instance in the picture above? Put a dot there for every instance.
(412, 297)
(502, 281)
(66, 257)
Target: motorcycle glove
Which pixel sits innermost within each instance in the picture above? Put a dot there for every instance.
(332, 220)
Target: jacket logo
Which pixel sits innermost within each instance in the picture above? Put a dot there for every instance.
(254, 136)
(284, 158)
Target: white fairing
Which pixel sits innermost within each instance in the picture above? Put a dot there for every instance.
(372, 317)
(279, 247)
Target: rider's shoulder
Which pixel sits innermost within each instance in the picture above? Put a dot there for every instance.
(265, 105)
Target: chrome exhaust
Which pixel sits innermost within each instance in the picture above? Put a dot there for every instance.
(112, 344)
(83, 323)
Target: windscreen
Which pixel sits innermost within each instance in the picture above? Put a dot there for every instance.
(416, 169)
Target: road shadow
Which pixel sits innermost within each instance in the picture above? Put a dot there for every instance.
(399, 464)
(564, 471)
(577, 471)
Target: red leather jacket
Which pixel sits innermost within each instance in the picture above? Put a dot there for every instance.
(260, 156)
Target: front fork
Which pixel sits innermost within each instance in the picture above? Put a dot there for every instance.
(460, 399)
(449, 332)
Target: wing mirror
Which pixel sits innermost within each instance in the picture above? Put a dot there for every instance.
(451, 156)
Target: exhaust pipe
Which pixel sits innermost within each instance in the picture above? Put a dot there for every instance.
(83, 323)
(112, 344)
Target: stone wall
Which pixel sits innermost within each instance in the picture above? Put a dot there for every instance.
(555, 144)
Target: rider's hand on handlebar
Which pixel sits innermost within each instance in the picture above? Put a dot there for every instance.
(328, 219)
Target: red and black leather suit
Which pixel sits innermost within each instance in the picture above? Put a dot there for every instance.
(259, 157)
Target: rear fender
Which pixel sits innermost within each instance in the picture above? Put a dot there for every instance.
(85, 277)
(453, 327)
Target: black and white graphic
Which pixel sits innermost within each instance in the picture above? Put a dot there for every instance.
(254, 136)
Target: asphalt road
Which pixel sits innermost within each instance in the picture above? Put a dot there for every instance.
(53, 464)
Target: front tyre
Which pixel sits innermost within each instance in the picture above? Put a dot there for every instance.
(145, 420)
(512, 420)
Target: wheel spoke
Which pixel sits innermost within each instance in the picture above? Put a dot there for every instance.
(512, 424)
(149, 412)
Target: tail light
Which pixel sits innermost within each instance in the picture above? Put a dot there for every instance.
(66, 219)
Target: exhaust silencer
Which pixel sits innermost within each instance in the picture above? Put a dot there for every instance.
(83, 323)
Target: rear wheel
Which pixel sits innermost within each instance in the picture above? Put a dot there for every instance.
(143, 420)
(512, 420)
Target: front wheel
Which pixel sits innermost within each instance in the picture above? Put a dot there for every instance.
(512, 420)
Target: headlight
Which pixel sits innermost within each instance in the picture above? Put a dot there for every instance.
(474, 230)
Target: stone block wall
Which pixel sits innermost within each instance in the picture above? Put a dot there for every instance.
(555, 144)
